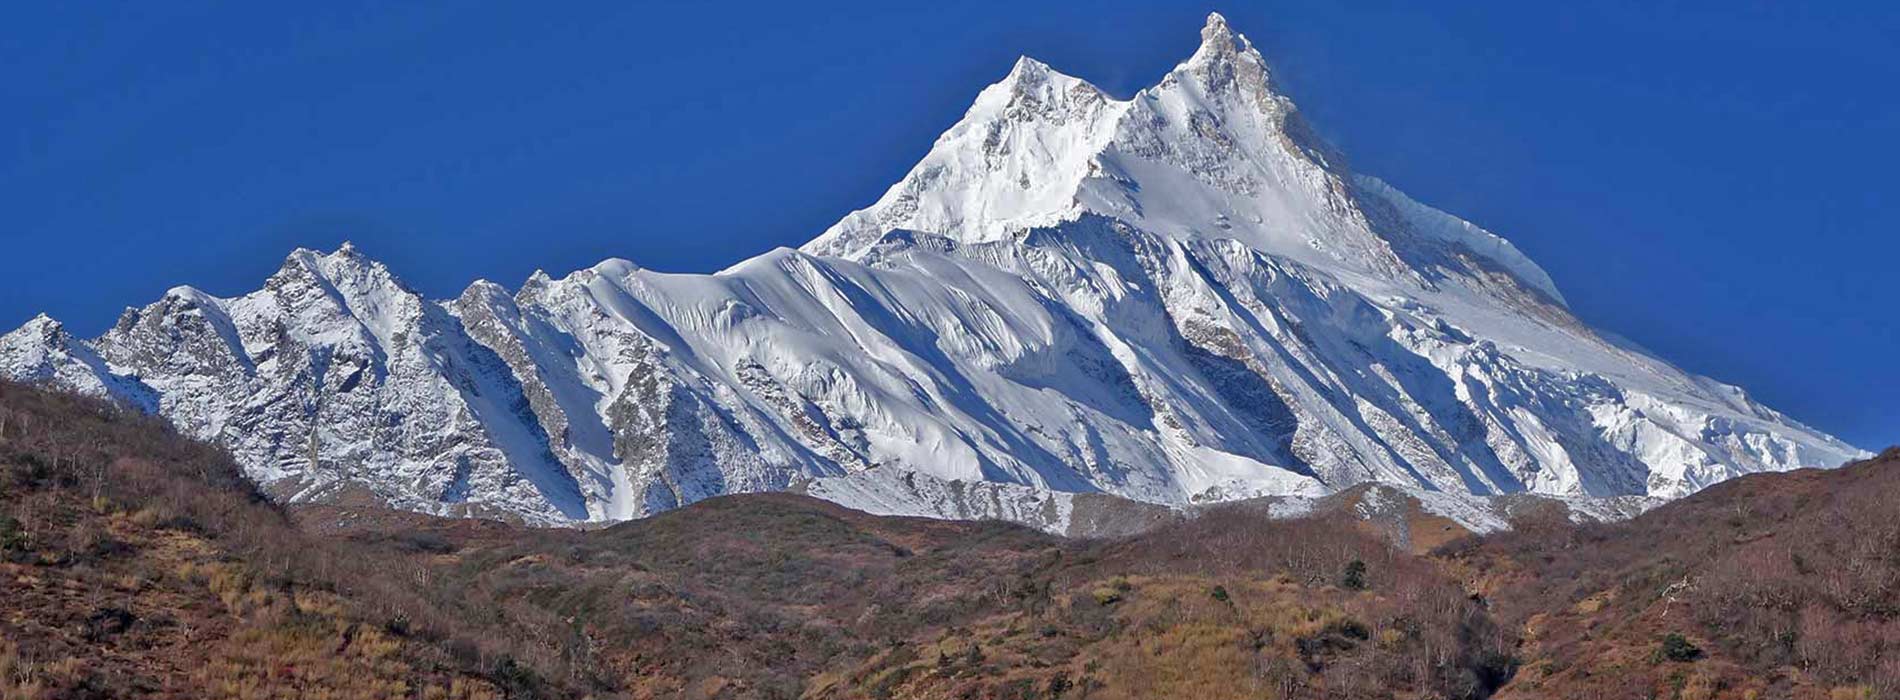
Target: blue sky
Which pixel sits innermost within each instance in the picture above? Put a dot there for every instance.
(1713, 180)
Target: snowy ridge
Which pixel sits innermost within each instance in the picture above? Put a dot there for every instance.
(1181, 298)
(907, 493)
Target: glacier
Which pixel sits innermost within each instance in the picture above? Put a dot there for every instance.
(1185, 297)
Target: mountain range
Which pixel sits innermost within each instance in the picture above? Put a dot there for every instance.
(139, 563)
(1183, 297)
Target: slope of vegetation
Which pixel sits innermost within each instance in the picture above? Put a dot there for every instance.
(1767, 586)
(141, 563)
(135, 563)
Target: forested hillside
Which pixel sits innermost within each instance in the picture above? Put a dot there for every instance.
(137, 563)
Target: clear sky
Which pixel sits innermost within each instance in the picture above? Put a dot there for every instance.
(1713, 180)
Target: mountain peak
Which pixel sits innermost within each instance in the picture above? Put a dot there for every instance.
(44, 326)
(346, 257)
(187, 292)
(345, 251)
(1033, 81)
(1219, 40)
(1216, 29)
(1176, 297)
(1027, 67)
(349, 255)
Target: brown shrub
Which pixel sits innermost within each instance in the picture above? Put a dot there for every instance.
(1785, 575)
(756, 596)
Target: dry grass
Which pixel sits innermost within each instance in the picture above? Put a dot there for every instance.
(1789, 584)
(163, 573)
(139, 564)
(772, 596)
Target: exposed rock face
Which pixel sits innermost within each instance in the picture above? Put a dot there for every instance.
(1179, 298)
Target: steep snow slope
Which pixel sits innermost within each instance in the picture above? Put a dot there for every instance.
(1182, 297)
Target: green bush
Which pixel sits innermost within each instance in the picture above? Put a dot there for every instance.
(1676, 647)
(1354, 577)
(12, 536)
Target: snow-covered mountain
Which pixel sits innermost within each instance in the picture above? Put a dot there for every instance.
(1178, 298)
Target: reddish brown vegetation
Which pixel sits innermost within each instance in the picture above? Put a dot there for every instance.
(185, 581)
(1785, 585)
(152, 564)
(136, 563)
